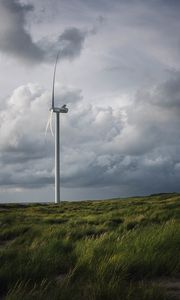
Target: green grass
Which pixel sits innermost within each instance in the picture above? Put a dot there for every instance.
(110, 249)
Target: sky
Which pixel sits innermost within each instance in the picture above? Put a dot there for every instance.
(118, 73)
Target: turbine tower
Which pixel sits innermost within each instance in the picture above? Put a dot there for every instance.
(57, 111)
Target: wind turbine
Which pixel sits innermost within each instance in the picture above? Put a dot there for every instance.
(57, 111)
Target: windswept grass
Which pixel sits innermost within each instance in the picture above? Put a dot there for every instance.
(111, 249)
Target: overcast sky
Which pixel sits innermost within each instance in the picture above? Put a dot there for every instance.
(119, 74)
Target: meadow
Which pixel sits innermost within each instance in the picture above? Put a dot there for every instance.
(119, 249)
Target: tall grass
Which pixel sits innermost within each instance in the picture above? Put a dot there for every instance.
(111, 249)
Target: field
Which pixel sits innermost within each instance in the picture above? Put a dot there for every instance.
(119, 249)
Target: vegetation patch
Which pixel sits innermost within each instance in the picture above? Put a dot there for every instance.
(117, 249)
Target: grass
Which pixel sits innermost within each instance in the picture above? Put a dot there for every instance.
(110, 249)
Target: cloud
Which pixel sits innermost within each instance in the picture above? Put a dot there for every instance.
(167, 94)
(135, 147)
(73, 40)
(26, 154)
(69, 44)
(17, 41)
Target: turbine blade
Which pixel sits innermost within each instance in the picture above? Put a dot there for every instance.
(54, 78)
(49, 124)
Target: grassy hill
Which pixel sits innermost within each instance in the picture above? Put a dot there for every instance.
(110, 249)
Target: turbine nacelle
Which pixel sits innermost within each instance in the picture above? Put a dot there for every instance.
(63, 109)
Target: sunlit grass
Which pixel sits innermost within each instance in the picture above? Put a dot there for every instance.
(90, 250)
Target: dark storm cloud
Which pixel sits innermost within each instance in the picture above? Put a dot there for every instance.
(101, 5)
(17, 41)
(24, 179)
(69, 44)
(134, 148)
(74, 40)
(171, 3)
(164, 96)
(143, 154)
(14, 38)
(168, 93)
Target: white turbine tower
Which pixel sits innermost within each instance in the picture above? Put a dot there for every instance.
(57, 111)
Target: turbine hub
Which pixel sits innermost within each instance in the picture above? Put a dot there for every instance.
(62, 109)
